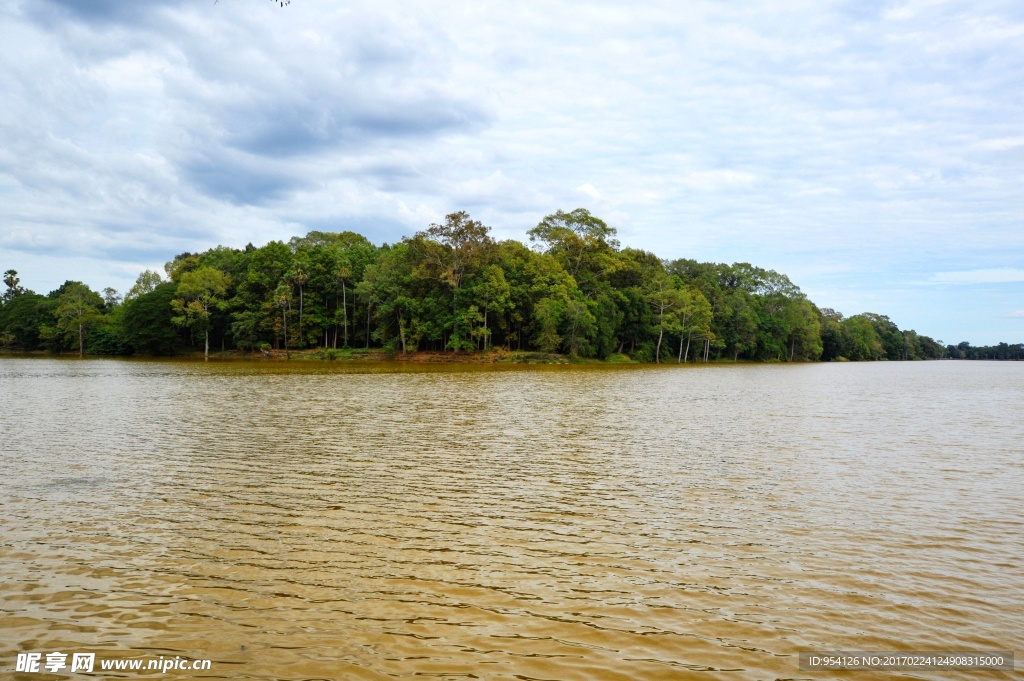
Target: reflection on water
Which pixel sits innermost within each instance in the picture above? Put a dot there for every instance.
(322, 521)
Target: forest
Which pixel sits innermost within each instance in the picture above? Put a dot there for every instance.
(452, 288)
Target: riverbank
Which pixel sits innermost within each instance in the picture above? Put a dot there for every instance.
(492, 356)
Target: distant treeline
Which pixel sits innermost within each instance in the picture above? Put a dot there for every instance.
(1002, 351)
(453, 288)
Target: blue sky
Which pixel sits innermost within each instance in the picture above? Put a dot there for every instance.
(872, 151)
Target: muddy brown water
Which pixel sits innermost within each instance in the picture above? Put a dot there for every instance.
(375, 521)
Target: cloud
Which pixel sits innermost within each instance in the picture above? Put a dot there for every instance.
(1017, 314)
(869, 136)
(994, 276)
(97, 12)
(1001, 144)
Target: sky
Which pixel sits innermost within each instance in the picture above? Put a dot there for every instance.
(871, 151)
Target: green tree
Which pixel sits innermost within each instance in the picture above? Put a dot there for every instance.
(14, 289)
(738, 322)
(22, 318)
(571, 236)
(694, 315)
(665, 300)
(283, 299)
(580, 326)
(447, 253)
(832, 342)
(299, 274)
(860, 340)
(255, 310)
(78, 307)
(199, 292)
(548, 314)
(492, 292)
(111, 298)
(805, 330)
(146, 282)
(583, 243)
(147, 322)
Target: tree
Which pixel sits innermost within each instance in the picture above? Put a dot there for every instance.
(583, 243)
(199, 291)
(300, 275)
(111, 298)
(694, 316)
(22, 318)
(147, 322)
(664, 299)
(254, 306)
(739, 322)
(77, 308)
(491, 290)
(860, 340)
(447, 253)
(580, 326)
(463, 242)
(805, 330)
(12, 281)
(146, 282)
(283, 298)
(548, 314)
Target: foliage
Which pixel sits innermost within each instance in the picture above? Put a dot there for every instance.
(147, 323)
(453, 288)
(78, 308)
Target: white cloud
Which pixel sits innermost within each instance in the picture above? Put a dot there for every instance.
(857, 135)
(1001, 144)
(993, 276)
(711, 180)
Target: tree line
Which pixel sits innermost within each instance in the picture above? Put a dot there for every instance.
(453, 288)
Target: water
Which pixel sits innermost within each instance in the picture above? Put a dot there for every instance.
(330, 521)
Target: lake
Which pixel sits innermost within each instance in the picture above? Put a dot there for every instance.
(372, 521)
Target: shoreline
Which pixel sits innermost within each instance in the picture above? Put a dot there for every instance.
(377, 355)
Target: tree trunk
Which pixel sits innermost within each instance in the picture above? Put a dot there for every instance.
(206, 346)
(81, 341)
(401, 333)
(344, 310)
(284, 318)
(302, 341)
(686, 355)
(367, 325)
(657, 352)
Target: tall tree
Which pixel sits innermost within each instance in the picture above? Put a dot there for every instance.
(491, 291)
(146, 282)
(78, 307)
(14, 289)
(583, 243)
(300, 275)
(448, 252)
(199, 292)
(694, 315)
(665, 301)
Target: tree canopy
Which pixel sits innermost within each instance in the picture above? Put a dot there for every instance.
(453, 288)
